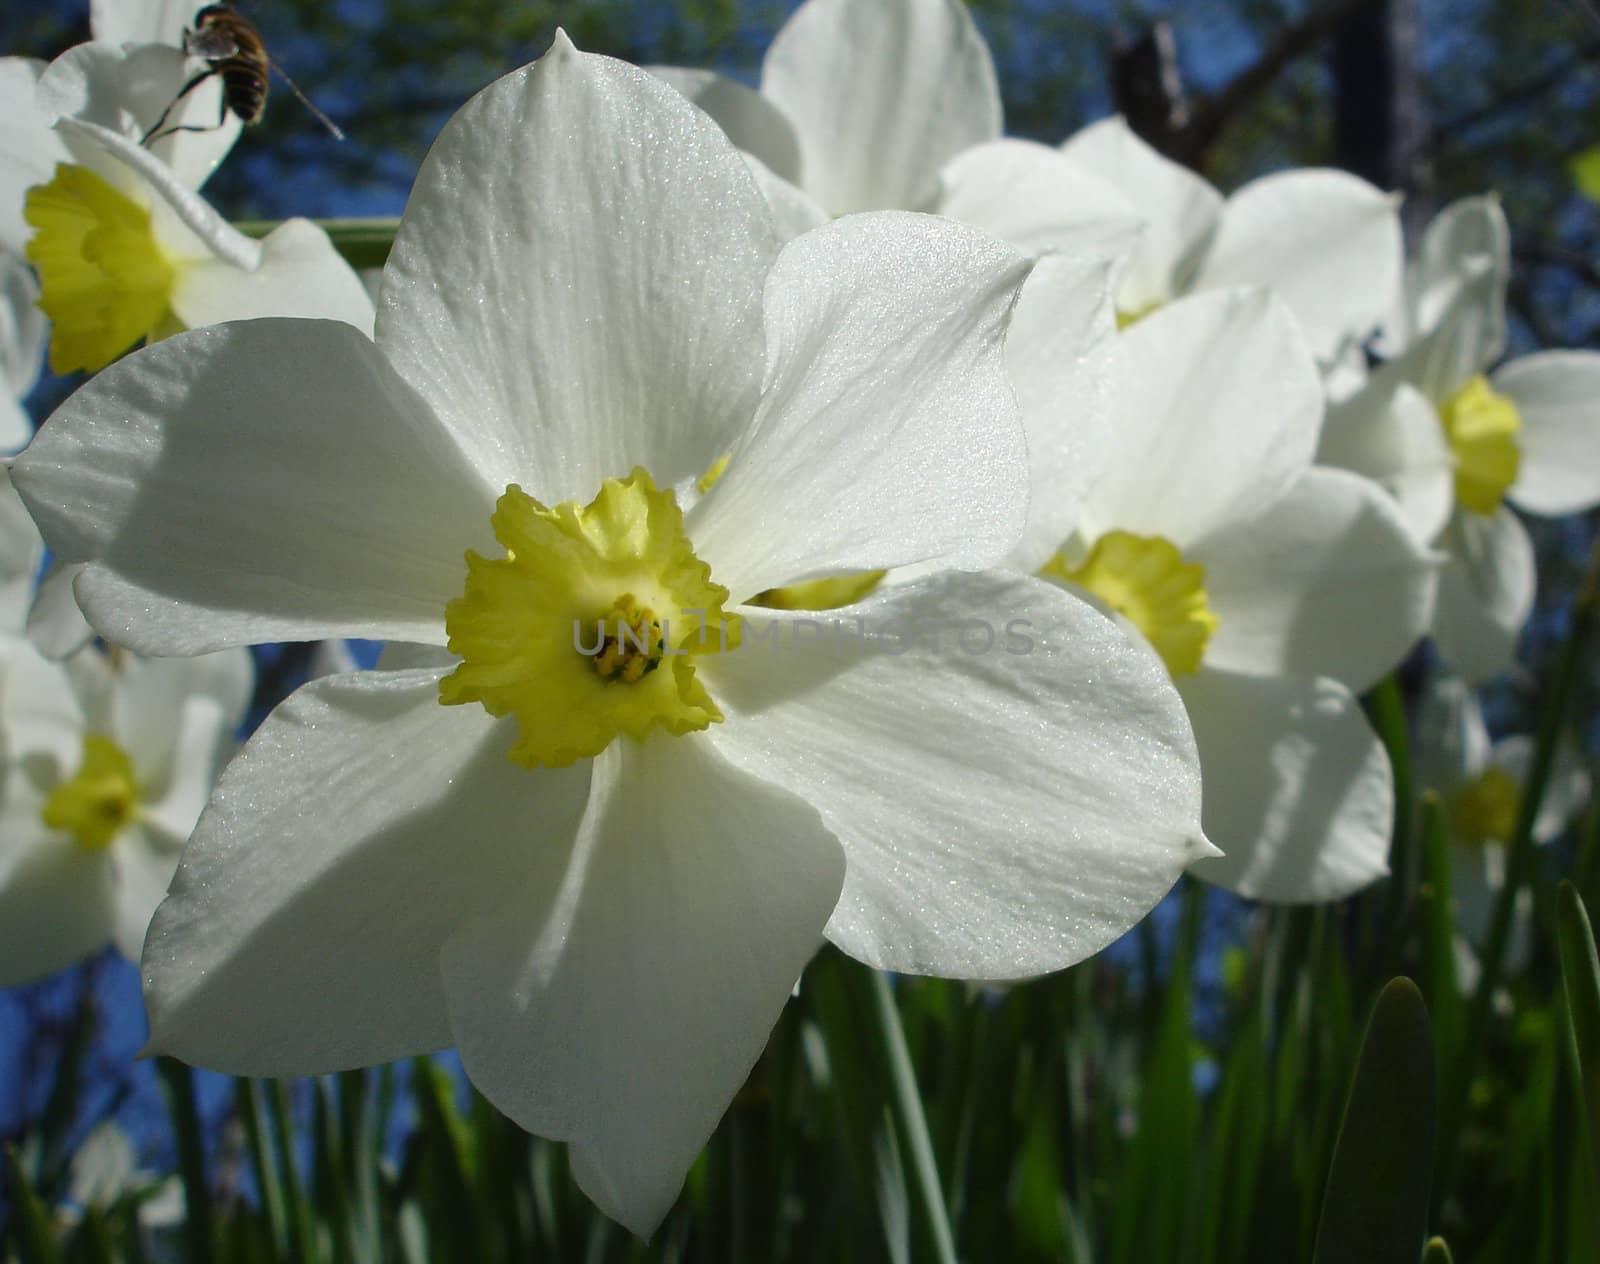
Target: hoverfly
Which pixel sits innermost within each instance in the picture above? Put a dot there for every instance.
(233, 50)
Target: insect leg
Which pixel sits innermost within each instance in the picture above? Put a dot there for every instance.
(199, 77)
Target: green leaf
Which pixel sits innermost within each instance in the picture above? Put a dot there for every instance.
(1439, 932)
(1580, 978)
(198, 1233)
(1375, 1208)
(30, 1227)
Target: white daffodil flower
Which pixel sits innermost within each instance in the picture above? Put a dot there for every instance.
(106, 767)
(1325, 242)
(599, 867)
(1457, 444)
(1480, 783)
(1273, 592)
(893, 105)
(125, 248)
(22, 335)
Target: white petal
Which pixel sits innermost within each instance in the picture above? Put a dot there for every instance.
(1565, 793)
(888, 432)
(176, 718)
(752, 122)
(258, 481)
(1463, 341)
(1557, 394)
(21, 551)
(1058, 351)
(882, 96)
(184, 223)
(300, 274)
(23, 329)
(1031, 196)
(1451, 745)
(1327, 582)
(576, 282)
(1217, 405)
(140, 21)
(1180, 210)
(1325, 241)
(56, 625)
(143, 861)
(793, 211)
(361, 826)
(56, 899)
(1390, 432)
(1486, 592)
(622, 1006)
(1468, 243)
(42, 719)
(1004, 812)
(127, 89)
(29, 149)
(1298, 790)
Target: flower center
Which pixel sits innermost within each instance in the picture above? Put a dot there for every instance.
(1485, 808)
(1145, 579)
(1481, 425)
(1128, 317)
(100, 799)
(589, 625)
(103, 280)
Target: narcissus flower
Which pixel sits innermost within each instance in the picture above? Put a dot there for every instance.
(107, 764)
(1459, 442)
(125, 249)
(1272, 592)
(1480, 786)
(593, 827)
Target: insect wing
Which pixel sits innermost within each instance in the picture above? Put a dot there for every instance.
(210, 43)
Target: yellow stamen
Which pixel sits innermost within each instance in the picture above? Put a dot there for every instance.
(103, 280)
(1485, 808)
(588, 627)
(1481, 425)
(100, 799)
(1126, 318)
(1145, 579)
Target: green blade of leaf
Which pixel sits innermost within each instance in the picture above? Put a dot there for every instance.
(1580, 978)
(1375, 1208)
(30, 1221)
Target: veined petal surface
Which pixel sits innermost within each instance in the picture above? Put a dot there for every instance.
(1557, 394)
(1178, 208)
(1012, 778)
(621, 1004)
(1328, 581)
(256, 481)
(300, 274)
(1389, 431)
(29, 148)
(1031, 196)
(576, 282)
(1326, 242)
(753, 123)
(1486, 592)
(888, 432)
(1060, 353)
(882, 96)
(1217, 405)
(1299, 794)
(360, 827)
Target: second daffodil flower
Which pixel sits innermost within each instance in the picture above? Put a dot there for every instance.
(1272, 591)
(595, 829)
(125, 247)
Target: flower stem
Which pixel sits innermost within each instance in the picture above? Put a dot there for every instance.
(1519, 862)
(875, 998)
(198, 1234)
